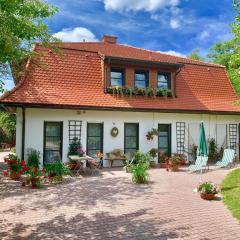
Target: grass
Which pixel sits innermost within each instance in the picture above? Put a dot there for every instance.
(231, 192)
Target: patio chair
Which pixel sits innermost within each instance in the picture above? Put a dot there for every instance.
(200, 164)
(228, 157)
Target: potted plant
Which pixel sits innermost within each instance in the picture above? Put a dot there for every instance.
(130, 91)
(139, 167)
(153, 153)
(159, 92)
(174, 163)
(15, 166)
(150, 134)
(35, 177)
(169, 93)
(162, 159)
(56, 170)
(207, 191)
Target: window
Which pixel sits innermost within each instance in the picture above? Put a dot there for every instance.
(141, 79)
(131, 137)
(164, 80)
(117, 77)
(94, 138)
(52, 142)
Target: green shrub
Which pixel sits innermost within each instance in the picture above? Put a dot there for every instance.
(139, 172)
(56, 169)
(140, 157)
(33, 158)
(73, 147)
(139, 167)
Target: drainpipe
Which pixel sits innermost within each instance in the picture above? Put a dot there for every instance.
(23, 132)
(175, 82)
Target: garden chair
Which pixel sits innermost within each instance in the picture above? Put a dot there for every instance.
(228, 157)
(200, 164)
(79, 168)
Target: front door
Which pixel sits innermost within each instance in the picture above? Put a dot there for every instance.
(164, 138)
(53, 134)
(94, 138)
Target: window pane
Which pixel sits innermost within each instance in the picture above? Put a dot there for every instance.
(116, 82)
(52, 156)
(163, 80)
(140, 84)
(116, 74)
(163, 142)
(94, 130)
(131, 142)
(140, 76)
(130, 130)
(116, 78)
(52, 129)
(53, 143)
(94, 142)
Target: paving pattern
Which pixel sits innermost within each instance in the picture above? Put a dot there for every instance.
(109, 206)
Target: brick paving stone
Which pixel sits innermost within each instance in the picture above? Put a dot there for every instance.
(111, 207)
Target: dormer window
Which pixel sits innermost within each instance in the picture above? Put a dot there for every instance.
(117, 77)
(164, 80)
(141, 79)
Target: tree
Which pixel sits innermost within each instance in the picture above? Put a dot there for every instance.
(195, 55)
(7, 126)
(21, 25)
(227, 53)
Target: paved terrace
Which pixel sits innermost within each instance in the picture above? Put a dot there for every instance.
(109, 206)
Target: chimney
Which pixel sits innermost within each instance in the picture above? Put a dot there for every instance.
(109, 39)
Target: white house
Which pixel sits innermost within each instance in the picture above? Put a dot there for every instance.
(92, 87)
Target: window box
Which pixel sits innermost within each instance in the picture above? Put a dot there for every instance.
(129, 91)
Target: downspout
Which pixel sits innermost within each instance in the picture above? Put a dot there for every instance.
(175, 82)
(23, 132)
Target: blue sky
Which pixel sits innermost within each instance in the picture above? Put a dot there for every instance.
(173, 26)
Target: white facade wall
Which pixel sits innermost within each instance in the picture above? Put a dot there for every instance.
(35, 123)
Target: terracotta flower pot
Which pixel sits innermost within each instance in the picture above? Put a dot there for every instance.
(153, 164)
(173, 168)
(163, 165)
(207, 196)
(15, 175)
(35, 182)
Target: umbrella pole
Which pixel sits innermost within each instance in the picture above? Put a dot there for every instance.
(200, 180)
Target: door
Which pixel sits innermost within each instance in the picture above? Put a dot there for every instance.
(53, 132)
(131, 137)
(164, 138)
(94, 138)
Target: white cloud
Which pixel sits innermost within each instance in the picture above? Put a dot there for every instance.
(77, 34)
(173, 53)
(174, 23)
(138, 5)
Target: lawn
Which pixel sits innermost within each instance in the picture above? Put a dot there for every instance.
(231, 192)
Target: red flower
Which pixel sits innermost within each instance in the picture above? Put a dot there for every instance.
(5, 173)
(25, 168)
(23, 184)
(35, 169)
(22, 163)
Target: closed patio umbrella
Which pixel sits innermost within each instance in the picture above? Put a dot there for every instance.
(202, 150)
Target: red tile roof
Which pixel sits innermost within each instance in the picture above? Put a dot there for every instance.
(75, 80)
